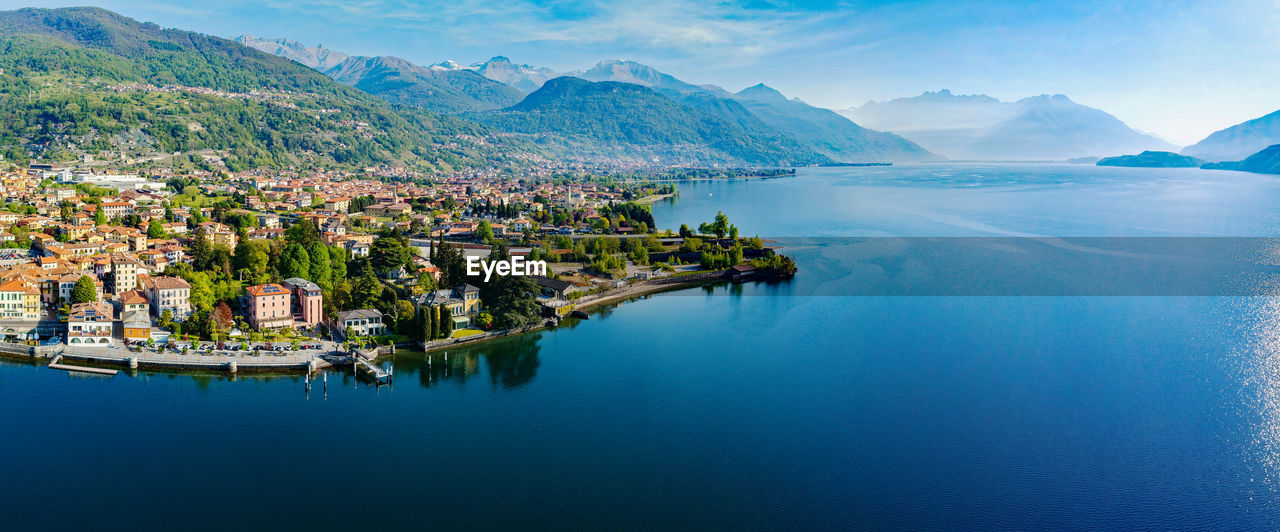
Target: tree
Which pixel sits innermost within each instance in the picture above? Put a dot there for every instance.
(201, 251)
(304, 233)
(484, 231)
(201, 297)
(154, 229)
(99, 217)
(295, 262)
(446, 322)
(321, 268)
(251, 261)
(404, 316)
(222, 318)
(367, 291)
(85, 290)
(389, 252)
(721, 225)
(338, 259)
(432, 327)
(166, 317)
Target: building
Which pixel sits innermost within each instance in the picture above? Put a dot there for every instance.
(137, 325)
(68, 282)
(19, 300)
(363, 322)
(462, 301)
(308, 301)
(124, 274)
(218, 234)
(270, 306)
(169, 293)
(90, 323)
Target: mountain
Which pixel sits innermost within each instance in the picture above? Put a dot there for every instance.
(818, 130)
(317, 57)
(1152, 159)
(611, 119)
(89, 81)
(984, 128)
(826, 132)
(1266, 161)
(440, 87)
(1238, 141)
(524, 78)
(633, 72)
(437, 89)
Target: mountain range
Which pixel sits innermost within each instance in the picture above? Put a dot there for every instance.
(979, 127)
(1239, 141)
(87, 80)
(767, 118)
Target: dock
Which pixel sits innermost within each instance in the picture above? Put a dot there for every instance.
(379, 375)
(56, 364)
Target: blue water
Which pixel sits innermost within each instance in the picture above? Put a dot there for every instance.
(716, 408)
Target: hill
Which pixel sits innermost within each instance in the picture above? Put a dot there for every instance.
(609, 119)
(979, 127)
(828, 133)
(436, 89)
(817, 130)
(1266, 161)
(1152, 159)
(442, 88)
(89, 81)
(524, 78)
(1238, 141)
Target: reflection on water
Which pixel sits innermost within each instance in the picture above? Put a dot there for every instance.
(1261, 376)
(511, 363)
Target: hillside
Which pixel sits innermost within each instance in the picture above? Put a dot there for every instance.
(89, 81)
(1266, 161)
(436, 89)
(980, 127)
(633, 121)
(1152, 159)
(442, 88)
(1238, 141)
(828, 133)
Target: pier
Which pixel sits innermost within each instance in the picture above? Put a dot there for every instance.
(56, 364)
(364, 361)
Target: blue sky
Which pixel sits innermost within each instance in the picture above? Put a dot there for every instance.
(1181, 69)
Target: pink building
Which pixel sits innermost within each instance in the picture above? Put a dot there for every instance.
(270, 306)
(308, 308)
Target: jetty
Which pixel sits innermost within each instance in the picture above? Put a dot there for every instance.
(363, 360)
(56, 363)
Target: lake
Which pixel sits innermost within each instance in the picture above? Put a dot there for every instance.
(791, 405)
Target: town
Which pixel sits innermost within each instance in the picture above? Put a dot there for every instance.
(257, 265)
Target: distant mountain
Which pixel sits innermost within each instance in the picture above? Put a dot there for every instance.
(317, 57)
(828, 133)
(524, 78)
(818, 130)
(1266, 161)
(633, 72)
(983, 128)
(610, 119)
(436, 89)
(1238, 141)
(1152, 159)
(439, 87)
(89, 81)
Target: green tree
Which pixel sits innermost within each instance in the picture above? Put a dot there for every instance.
(304, 233)
(446, 322)
(201, 297)
(721, 225)
(367, 291)
(484, 231)
(338, 259)
(154, 229)
(85, 290)
(201, 251)
(295, 262)
(99, 217)
(321, 268)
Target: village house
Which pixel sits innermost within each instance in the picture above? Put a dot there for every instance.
(90, 323)
(362, 322)
(270, 306)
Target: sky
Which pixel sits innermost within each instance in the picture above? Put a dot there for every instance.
(1179, 69)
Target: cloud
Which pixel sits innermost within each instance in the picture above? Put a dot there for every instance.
(684, 27)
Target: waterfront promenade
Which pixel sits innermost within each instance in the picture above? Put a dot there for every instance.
(302, 360)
